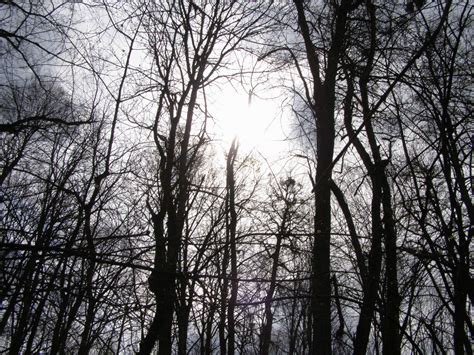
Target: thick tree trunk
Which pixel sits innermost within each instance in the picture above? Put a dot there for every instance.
(323, 104)
(391, 319)
(321, 282)
(167, 311)
(462, 343)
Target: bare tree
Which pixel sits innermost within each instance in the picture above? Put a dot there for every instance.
(189, 48)
(322, 101)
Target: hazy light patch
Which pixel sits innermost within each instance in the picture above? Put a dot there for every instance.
(255, 122)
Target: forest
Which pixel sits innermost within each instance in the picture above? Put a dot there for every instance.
(236, 177)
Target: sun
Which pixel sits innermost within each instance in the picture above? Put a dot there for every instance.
(250, 119)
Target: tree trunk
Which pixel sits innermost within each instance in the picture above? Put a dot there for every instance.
(266, 335)
(231, 229)
(323, 105)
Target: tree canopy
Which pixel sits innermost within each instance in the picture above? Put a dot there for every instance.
(132, 223)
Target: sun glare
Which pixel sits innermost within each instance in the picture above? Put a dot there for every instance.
(253, 121)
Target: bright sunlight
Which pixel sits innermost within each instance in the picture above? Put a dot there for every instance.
(255, 122)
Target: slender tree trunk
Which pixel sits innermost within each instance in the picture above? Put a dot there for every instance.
(231, 229)
(293, 328)
(266, 335)
(84, 346)
(182, 315)
(29, 282)
(59, 335)
(208, 330)
(371, 275)
(223, 298)
(39, 309)
(19, 335)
